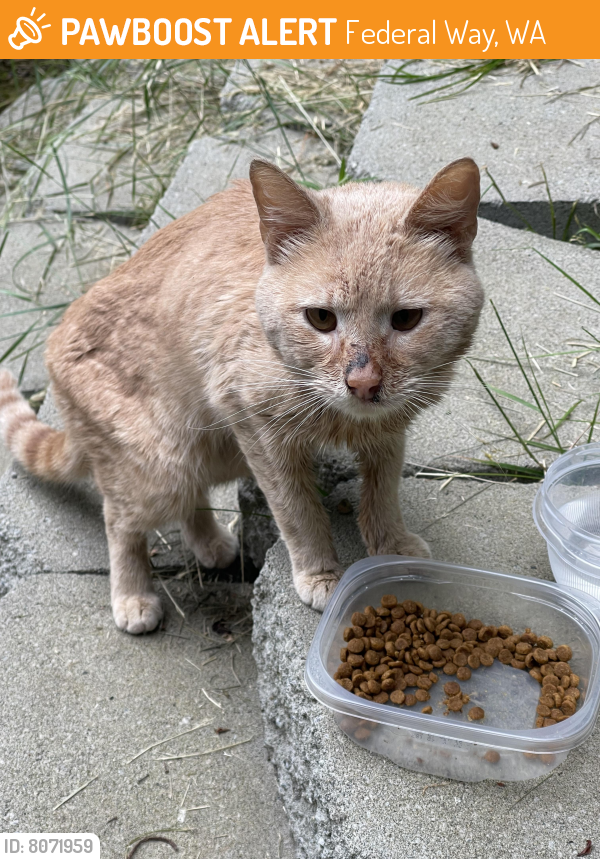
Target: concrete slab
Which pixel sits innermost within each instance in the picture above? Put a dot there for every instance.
(88, 173)
(507, 123)
(234, 98)
(81, 700)
(345, 803)
(41, 266)
(537, 302)
(27, 107)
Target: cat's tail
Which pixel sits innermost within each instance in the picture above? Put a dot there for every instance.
(45, 452)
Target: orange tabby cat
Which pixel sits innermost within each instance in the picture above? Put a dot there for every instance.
(211, 355)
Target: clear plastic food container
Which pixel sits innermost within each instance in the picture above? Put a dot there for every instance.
(505, 746)
(566, 511)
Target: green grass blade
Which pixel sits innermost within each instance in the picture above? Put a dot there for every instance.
(565, 235)
(567, 414)
(523, 472)
(515, 431)
(514, 398)
(541, 445)
(16, 295)
(25, 158)
(547, 417)
(593, 423)
(508, 205)
(568, 276)
(16, 343)
(37, 309)
(593, 336)
(551, 203)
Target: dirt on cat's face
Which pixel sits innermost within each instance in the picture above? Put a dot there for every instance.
(373, 296)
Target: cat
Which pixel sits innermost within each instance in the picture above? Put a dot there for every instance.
(270, 322)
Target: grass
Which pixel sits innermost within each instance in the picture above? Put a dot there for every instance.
(573, 229)
(16, 77)
(452, 78)
(548, 438)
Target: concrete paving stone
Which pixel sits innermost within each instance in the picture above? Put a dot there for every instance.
(26, 108)
(345, 803)
(91, 164)
(39, 263)
(80, 700)
(233, 97)
(537, 120)
(21, 273)
(538, 303)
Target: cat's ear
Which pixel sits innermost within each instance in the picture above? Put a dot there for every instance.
(288, 214)
(448, 205)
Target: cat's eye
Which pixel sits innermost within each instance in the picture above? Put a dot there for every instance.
(321, 319)
(404, 320)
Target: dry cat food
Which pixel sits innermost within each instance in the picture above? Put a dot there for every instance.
(391, 655)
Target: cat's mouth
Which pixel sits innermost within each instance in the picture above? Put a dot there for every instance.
(365, 407)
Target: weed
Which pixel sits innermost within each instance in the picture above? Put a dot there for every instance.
(551, 442)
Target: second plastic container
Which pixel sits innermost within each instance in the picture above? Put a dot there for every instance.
(566, 510)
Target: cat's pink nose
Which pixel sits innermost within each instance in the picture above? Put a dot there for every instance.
(364, 382)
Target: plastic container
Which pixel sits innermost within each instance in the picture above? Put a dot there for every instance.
(566, 510)
(451, 746)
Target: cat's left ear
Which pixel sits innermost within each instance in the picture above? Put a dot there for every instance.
(288, 214)
(448, 205)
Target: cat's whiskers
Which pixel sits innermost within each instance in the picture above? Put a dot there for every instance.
(280, 364)
(248, 387)
(320, 408)
(296, 412)
(218, 425)
(312, 408)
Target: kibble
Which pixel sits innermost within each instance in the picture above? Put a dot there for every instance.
(392, 654)
(475, 714)
(455, 704)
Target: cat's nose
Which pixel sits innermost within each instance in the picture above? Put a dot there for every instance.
(364, 382)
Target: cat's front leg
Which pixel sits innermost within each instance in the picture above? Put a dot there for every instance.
(380, 517)
(135, 605)
(286, 476)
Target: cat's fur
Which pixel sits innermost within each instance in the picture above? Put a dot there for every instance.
(194, 363)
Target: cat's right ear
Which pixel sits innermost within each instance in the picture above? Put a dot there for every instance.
(287, 213)
(448, 205)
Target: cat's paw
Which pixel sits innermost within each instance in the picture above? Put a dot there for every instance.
(137, 614)
(407, 544)
(215, 551)
(315, 589)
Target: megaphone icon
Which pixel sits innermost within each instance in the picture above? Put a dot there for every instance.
(26, 32)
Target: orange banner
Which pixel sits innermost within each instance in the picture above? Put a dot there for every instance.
(228, 28)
